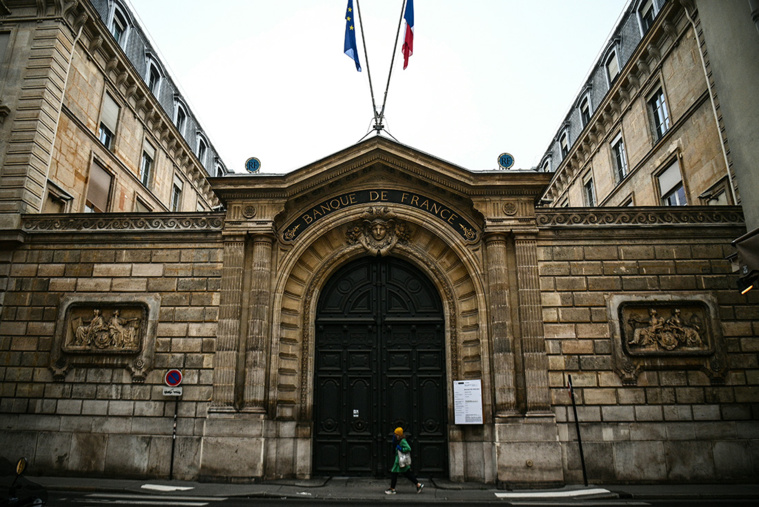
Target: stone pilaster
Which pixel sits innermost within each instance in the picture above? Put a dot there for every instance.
(531, 318)
(229, 325)
(258, 325)
(503, 351)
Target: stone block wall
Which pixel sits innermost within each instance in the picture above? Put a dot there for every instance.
(100, 419)
(673, 423)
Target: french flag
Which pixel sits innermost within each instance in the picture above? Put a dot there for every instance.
(408, 43)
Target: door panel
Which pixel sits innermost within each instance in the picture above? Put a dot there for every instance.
(380, 363)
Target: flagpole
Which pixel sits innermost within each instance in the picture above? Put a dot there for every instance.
(392, 61)
(368, 69)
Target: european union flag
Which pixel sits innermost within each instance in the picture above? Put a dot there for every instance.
(350, 36)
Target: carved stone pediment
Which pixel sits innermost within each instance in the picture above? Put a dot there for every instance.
(378, 230)
(106, 331)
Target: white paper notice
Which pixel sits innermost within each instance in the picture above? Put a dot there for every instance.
(467, 401)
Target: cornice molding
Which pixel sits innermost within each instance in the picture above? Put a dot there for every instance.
(122, 222)
(614, 217)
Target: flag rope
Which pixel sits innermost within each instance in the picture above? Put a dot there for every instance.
(390, 74)
(368, 68)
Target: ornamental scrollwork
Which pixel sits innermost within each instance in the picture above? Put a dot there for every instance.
(639, 216)
(123, 222)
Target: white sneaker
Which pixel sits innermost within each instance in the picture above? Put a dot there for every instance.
(389, 491)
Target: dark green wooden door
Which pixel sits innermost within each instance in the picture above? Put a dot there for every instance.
(380, 364)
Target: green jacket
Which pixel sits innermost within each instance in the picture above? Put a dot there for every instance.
(405, 448)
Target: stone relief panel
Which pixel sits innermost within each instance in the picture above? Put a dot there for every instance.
(672, 328)
(666, 332)
(104, 331)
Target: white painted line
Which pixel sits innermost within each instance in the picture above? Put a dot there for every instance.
(554, 494)
(160, 487)
(146, 502)
(158, 497)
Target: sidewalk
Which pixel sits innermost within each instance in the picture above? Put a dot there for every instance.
(343, 489)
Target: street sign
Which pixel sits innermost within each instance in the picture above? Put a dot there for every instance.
(173, 378)
(172, 391)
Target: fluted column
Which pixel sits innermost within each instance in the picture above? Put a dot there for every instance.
(258, 325)
(531, 320)
(503, 351)
(227, 336)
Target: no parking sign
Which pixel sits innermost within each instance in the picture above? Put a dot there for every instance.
(172, 379)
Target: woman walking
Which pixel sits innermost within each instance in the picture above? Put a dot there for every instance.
(400, 444)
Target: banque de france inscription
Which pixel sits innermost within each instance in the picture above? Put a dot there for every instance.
(333, 204)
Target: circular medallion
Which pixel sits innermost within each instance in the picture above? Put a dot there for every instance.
(249, 211)
(252, 165)
(505, 160)
(510, 208)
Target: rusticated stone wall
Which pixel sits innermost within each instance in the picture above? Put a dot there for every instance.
(673, 404)
(101, 411)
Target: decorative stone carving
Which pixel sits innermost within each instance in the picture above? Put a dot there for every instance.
(124, 222)
(666, 331)
(658, 334)
(378, 231)
(249, 211)
(510, 209)
(645, 216)
(96, 330)
(103, 333)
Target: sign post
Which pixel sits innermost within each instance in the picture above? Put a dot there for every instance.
(577, 426)
(172, 379)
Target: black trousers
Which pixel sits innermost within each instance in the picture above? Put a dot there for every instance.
(409, 475)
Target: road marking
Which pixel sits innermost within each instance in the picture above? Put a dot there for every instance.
(554, 494)
(142, 502)
(160, 497)
(161, 487)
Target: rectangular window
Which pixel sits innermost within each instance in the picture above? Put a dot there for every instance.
(564, 143)
(620, 158)
(647, 15)
(660, 114)
(118, 26)
(201, 151)
(176, 194)
(146, 166)
(109, 118)
(589, 193)
(154, 77)
(671, 186)
(585, 111)
(612, 67)
(181, 117)
(98, 190)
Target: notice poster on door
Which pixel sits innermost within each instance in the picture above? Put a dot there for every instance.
(467, 401)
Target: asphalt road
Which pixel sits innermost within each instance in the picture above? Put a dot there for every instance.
(100, 498)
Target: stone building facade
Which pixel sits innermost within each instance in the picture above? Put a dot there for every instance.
(331, 304)
(90, 120)
(647, 127)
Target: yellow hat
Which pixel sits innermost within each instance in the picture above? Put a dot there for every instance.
(398, 431)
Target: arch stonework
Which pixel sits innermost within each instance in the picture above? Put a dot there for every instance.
(472, 235)
(307, 268)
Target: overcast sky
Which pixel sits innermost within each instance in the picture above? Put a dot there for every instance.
(269, 79)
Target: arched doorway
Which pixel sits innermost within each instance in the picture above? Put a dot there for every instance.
(380, 363)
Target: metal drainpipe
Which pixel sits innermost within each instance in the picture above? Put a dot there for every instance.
(714, 107)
